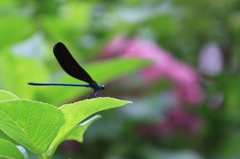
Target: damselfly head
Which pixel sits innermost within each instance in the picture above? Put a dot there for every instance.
(102, 87)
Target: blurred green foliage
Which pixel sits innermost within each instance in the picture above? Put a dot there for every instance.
(29, 29)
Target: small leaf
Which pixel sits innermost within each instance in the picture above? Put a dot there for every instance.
(78, 132)
(9, 150)
(4, 95)
(76, 112)
(5, 137)
(32, 124)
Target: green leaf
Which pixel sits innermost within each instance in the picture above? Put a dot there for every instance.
(4, 95)
(78, 132)
(76, 112)
(9, 150)
(5, 137)
(32, 124)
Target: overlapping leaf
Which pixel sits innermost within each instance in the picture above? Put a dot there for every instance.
(41, 127)
(77, 112)
(4, 95)
(79, 130)
(9, 150)
(32, 124)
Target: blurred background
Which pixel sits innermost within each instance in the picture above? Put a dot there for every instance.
(178, 61)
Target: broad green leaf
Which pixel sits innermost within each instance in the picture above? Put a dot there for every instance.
(9, 150)
(76, 112)
(32, 124)
(4, 95)
(78, 132)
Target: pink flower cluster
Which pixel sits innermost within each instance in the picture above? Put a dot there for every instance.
(184, 77)
(186, 81)
(177, 119)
